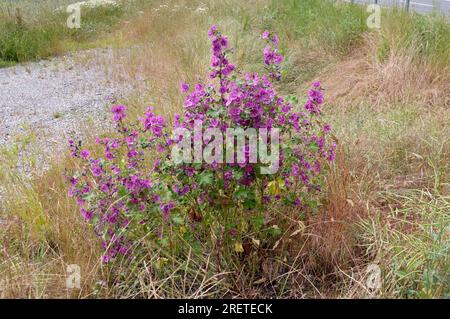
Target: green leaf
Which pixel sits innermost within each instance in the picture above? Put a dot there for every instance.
(205, 178)
(275, 231)
(314, 147)
(250, 203)
(89, 197)
(258, 221)
(122, 192)
(242, 193)
(177, 220)
(238, 174)
(292, 99)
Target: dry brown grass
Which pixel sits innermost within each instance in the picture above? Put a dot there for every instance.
(333, 241)
(362, 78)
(43, 235)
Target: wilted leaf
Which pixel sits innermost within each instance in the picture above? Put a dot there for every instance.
(300, 229)
(260, 281)
(160, 262)
(276, 244)
(238, 247)
(274, 187)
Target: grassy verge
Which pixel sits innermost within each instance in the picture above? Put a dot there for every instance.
(386, 198)
(29, 32)
(412, 244)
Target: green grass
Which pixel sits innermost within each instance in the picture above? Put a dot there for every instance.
(20, 42)
(29, 8)
(322, 31)
(26, 35)
(412, 244)
(332, 26)
(427, 36)
(6, 64)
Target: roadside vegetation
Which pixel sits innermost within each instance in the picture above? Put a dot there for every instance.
(385, 198)
(31, 30)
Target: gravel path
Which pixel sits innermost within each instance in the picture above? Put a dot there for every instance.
(41, 103)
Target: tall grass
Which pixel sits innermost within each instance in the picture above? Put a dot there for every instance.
(30, 32)
(412, 244)
(425, 35)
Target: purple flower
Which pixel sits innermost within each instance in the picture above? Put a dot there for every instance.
(86, 214)
(115, 144)
(132, 153)
(235, 113)
(224, 43)
(73, 181)
(160, 148)
(85, 154)
(96, 170)
(156, 198)
(331, 153)
(295, 170)
(275, 40)
(214, 123)
(154, 123)
(265, 35)
(119, 112)
(212, 31)
(109, 156)
(249, 169)
(286, 108)
(184, 87)
(167, 208)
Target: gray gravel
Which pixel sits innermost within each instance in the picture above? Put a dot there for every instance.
(41, 103)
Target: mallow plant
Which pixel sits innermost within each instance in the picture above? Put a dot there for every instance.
(237, 149)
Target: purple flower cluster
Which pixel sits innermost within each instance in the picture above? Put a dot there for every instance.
(119, 193)
(154, 123)
(111, 189)
(219, 64)
(315, 99)
(272, 59)
(253, 102)
(119, 112)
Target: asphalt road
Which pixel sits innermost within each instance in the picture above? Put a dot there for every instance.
(421, 6)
